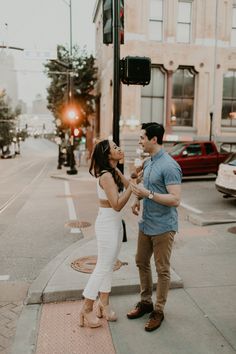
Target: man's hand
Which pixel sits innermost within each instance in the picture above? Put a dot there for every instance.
(136, 207)
(139, 191)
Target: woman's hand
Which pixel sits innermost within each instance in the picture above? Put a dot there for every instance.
(139, 191)
(135, 207)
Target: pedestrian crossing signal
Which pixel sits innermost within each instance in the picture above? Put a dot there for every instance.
(135, 70)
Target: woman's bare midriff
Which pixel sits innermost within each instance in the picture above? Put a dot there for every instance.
(104, 203)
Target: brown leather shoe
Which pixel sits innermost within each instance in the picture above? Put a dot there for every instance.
(154, 322)
(140, 309)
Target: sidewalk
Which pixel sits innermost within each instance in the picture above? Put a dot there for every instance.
(200, 312)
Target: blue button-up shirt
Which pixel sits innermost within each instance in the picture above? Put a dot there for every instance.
(160, 171)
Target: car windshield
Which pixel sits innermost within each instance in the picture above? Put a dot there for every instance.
(176, 149)
(233, 163)
(231, 160)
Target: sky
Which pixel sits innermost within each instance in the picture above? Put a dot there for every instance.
(39, 26)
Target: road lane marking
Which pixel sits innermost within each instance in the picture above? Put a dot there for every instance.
(189, 207)
(71, 209)
(4, 277)
(16, 195)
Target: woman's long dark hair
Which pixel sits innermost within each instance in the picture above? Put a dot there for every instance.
(100, 163)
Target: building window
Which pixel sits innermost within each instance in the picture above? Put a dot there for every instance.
(233, 30)
(184, 21)
(229, 100)
(183, 97)
(156, 20)
(152, 98)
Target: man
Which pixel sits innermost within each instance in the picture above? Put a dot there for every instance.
(161, 195)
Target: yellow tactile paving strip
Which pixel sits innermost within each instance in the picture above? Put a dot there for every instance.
(60, 333)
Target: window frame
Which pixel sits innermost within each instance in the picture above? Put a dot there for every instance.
(229, 122)
(153, 20)
(183, 97)
(153, 97)
(233, 29)
(185, 23)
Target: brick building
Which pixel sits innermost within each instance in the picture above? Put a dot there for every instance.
(192, 46)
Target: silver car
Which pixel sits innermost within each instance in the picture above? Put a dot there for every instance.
(226, 178)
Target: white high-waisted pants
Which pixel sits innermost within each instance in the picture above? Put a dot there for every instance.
(109, 234)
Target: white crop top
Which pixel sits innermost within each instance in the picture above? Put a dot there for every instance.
(101, 192)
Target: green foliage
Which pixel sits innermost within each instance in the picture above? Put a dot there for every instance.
(83, 76)
(7, 121)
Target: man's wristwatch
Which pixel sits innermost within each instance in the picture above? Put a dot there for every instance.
(150, 195)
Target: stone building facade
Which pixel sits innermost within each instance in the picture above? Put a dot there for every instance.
(192, 46)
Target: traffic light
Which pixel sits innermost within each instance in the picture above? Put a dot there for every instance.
(77, 132)
(107, 14)
(122, 22)
(135, 70)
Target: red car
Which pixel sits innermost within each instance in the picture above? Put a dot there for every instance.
(198, 157)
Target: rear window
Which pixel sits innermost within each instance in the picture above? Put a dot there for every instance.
(209, 148)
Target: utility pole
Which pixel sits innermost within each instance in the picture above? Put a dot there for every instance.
(72, 170)
(116, 72)
(116, 76)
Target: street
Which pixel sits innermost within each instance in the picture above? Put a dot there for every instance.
(200, 195)
(34, 211)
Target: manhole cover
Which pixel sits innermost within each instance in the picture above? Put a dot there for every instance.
(87, 264)
(77, 224)
(232, 230)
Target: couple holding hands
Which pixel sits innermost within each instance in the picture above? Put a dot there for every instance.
(160, 194)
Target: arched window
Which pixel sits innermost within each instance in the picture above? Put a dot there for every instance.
(229, 100)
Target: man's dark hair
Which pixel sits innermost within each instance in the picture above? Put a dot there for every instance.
(154, 129)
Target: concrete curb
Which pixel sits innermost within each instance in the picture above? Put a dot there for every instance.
(27, 330)
(36, 290)
(203, 220)
(119, 288)
(49, 287)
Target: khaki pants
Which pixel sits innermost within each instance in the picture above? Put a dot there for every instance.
(161, 247)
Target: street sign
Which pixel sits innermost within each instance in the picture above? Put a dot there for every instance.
(39, 54)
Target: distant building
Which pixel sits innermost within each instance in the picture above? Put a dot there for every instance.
(23, 106)
(38, 120)
(37, 124)
(192, 46)
(8, 76)
(39, 105)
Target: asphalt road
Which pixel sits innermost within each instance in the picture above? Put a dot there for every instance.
(200, 195)
(33, 212)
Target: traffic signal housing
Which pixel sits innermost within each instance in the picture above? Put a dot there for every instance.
(78, 132)
(135, 70)
(107, 14)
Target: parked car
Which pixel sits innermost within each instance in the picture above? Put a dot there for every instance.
(226, 179)
(198, 157)
(7, 155)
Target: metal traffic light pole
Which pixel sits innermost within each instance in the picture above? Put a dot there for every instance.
(72, 170)
(116, 75)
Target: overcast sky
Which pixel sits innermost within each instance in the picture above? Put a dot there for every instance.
(38, 26)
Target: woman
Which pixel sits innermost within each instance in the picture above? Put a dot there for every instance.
(108, 228)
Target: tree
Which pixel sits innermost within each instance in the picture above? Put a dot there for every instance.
(7, 121)
(80, 69)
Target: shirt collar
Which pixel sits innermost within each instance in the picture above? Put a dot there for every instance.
(157, 155)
